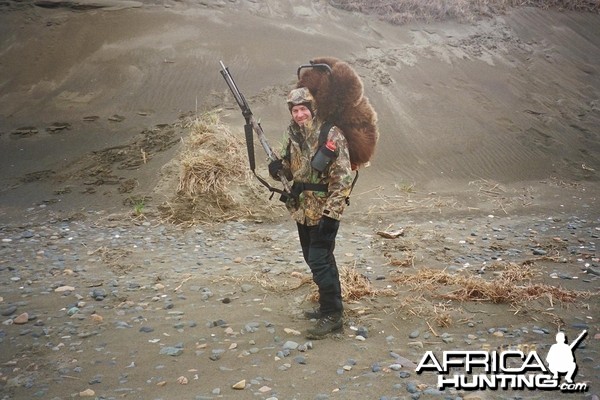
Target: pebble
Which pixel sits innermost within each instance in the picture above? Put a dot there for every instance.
(300, 359)
(291, 331)
(290, 345)
(72, 311)
(87, 393)
(171, 351)
(9, 311)
(411, 387)
(362, 331)
(241, 385)
(62, 289)
(98, 294)
(21, 319)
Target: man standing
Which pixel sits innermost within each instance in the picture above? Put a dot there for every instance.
(321, 171)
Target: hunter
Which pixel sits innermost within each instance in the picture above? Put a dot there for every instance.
(317, 160)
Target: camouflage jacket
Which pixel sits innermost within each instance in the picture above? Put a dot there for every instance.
(301, 146)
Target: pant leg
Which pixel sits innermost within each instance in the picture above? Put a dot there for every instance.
(318, 253)
(304, 236)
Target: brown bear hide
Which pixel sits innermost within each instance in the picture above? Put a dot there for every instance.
(339, 99)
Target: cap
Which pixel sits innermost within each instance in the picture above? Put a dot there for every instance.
(300, 96)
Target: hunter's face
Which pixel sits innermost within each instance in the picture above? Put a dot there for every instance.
(301, 114)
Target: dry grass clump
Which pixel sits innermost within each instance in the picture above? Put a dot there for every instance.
(215, 183)
(511, 285)
(355, 285)
(406, 11)
(211, 160)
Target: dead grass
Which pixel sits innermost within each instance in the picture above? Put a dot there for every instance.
(215, 183)
(211, 160)
(355, 285)
(406, 11)
(512, 285)
(500, 197)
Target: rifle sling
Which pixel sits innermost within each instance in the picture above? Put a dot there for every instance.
(248, 130)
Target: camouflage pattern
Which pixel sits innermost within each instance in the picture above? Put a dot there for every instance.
(300, 96)
(303, 144)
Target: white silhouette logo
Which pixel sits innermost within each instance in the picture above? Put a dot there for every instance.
(560, 357)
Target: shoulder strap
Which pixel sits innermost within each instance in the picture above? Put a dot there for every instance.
(325, 128)
(324, 132)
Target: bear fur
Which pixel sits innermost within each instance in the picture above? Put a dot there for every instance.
(339, 99)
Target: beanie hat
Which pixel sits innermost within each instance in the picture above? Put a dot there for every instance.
(301, 96)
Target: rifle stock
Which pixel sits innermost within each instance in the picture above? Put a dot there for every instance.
(255, 126)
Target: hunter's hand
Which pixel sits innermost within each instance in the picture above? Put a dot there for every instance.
(274, 168)
(328, 228)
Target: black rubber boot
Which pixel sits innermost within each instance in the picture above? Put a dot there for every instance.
(313, 314)
(325, 325)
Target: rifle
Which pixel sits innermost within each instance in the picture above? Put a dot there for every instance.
(250, 126)
(575, 342)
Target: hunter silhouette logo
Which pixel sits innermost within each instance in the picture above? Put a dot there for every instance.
(560, 358)
(510, 369)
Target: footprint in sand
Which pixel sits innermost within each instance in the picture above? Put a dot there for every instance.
(25, 131)
(58, 126)
(116, 118)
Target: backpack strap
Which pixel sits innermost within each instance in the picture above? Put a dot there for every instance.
(323, 134)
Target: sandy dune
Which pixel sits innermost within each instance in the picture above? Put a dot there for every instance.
(511, 100)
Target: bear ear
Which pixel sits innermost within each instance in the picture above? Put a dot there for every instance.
(347, 84)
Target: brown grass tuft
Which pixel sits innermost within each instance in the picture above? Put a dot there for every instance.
(511, 285)
(215, 183)
(355, 285)
(211, 160)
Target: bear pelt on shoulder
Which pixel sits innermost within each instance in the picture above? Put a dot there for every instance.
(340, 100)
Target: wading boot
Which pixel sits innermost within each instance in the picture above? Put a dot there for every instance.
(313, 314)
(325, 325)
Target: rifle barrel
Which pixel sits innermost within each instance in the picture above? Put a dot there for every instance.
(576, 341)
(247, 113)
(239, 98)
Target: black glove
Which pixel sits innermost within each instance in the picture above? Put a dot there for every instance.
(275, 167)
(328, 228)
